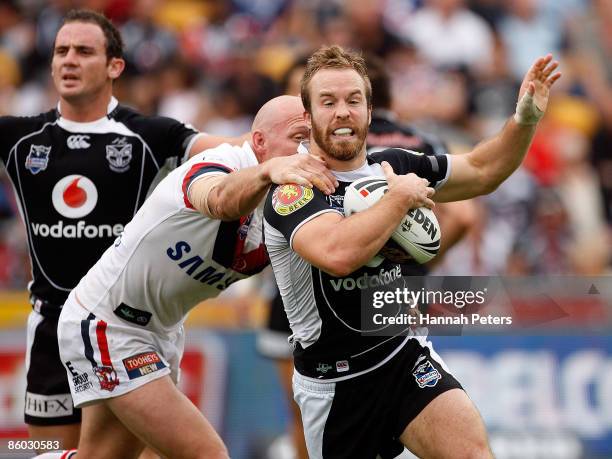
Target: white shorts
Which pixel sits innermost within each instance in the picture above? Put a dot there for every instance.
(107, 359)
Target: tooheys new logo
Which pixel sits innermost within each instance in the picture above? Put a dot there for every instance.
(75, 196)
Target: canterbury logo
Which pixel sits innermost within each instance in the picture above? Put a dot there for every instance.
(78, 142)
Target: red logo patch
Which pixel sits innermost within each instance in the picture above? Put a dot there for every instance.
(107, 377)
(289, 194)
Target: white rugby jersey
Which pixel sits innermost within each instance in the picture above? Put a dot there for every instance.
(170, 256)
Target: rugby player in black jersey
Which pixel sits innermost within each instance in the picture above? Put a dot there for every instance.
(356, 389)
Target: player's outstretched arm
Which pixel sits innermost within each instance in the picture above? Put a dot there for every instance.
(340, 245)
(237, 194)
(483, 169)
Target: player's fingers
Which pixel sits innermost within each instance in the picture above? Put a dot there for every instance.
(323, 183)
(430, 191)
(388, 170)
(297, 179)
(550, 69)
(319, 167)
(552, 79)
(428, 203)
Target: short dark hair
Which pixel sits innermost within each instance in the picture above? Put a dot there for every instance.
(334, 57)
(114, 42)
(379, 78)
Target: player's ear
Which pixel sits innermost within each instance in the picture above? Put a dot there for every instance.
(259, 141)
(369, 115)
(115, 67)
(308, 120)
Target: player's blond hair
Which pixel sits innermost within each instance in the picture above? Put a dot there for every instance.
(334, 57)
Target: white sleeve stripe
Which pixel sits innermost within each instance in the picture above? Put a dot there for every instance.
(321, 212)
(190, 144)
(441, 183)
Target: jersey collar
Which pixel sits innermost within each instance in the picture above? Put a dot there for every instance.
(99, 125)
(112, 104)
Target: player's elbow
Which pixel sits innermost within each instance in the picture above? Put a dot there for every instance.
(489, 186)
(341, 263)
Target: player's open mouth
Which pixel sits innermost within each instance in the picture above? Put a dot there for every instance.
(344, 132)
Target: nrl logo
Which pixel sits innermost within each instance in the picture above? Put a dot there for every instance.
(119, 154)
(38, 158)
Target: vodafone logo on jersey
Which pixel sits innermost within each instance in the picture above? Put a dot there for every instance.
(74, 196)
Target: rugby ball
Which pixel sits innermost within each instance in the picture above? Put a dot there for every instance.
(418, 235)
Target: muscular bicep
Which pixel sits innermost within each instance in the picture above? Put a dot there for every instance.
(311, 242)
(464, 180)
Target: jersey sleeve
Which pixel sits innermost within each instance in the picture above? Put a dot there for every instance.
(167, 137)
(435, 168)
(288, 207)
(218, 161)
(14, 128)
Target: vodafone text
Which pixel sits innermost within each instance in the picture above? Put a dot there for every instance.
(80, 230)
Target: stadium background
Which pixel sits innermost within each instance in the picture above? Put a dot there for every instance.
(214, 63)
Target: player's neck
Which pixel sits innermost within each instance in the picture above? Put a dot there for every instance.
(338, 164)
(85, 110)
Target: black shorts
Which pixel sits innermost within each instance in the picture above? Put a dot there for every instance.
(362, 416)
(48, 401)
(273, 339)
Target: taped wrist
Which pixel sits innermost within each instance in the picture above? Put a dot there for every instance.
(527, 112)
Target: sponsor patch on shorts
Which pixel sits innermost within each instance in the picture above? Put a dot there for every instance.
(289, 198)
(48, 406)
(142, 364)
(426, 375)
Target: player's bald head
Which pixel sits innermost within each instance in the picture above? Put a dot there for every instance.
(277, 110)
(279, 127)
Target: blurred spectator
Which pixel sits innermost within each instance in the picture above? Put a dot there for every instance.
(421, 91)
(449, 35)
(530, 29)
(148, 46)
(592, 42)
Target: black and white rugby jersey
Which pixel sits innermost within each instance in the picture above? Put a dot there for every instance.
(78, 184)
(324, 310)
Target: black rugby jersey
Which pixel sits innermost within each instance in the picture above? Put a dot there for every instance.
(386, 131)
(78, 184)
(324, 310)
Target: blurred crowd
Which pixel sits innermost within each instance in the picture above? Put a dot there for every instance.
(455, 68)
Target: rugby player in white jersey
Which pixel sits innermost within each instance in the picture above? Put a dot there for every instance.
(120, 331)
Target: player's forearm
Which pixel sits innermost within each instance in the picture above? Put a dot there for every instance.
(499, 157)
(357, 239)
(239, 193)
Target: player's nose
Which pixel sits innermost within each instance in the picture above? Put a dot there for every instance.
(342, 110)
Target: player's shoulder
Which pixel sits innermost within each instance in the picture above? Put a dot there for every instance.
(393, 154)
(143, 124)
(10, 123)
